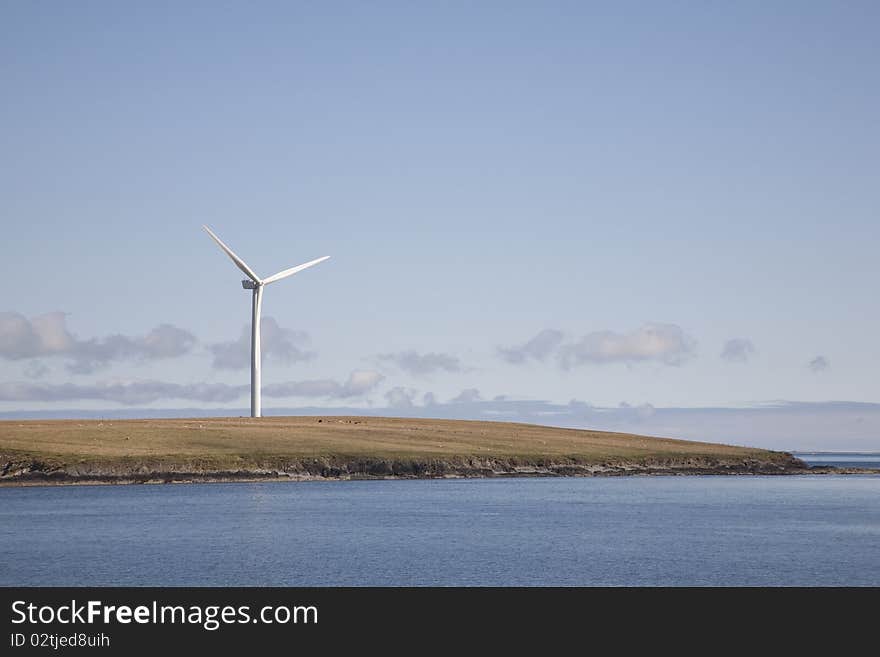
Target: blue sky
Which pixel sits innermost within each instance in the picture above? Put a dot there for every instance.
(636, 183)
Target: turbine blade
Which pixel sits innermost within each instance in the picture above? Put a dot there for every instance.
(292, 271)
(241, 264)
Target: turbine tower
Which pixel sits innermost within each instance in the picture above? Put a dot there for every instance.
(256, 284)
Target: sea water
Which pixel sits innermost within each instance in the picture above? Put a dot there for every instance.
(643, 530)
(841, 459)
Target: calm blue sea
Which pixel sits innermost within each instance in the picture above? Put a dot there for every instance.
(734, 530)
(841, 459)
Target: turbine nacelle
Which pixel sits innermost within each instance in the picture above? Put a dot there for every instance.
(249, 285)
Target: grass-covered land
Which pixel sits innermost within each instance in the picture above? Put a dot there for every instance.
(70, 451)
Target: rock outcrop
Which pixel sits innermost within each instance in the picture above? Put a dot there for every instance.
(18, 470)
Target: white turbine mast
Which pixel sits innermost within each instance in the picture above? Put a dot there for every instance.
(256, 284)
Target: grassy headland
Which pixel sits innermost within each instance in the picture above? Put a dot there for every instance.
(225, 449)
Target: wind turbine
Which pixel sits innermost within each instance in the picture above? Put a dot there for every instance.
(256, 284)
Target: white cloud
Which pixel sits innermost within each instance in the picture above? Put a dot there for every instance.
(738, 350)
(467, 396)
(36, 369)
(359, 383)
(47, 335)
(129, 393)
(284, 344)
(144, 392)
(164, 341)
(664, 343)
(362, 381)
(418, 364)
(819, 364)
(400, 397)
(538, 348)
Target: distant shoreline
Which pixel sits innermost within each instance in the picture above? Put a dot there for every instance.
(75, 452)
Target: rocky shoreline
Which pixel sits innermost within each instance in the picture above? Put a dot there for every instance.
(37, 472)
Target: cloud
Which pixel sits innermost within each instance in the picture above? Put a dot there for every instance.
(47, 335)
(418, 364)
(467, 396)
(286, 345)
(36, 369)
(129, 393)
(164, 341)
(664, 343)
(738, 350)
(538, 348)
(400, 397)
(362, 381)
(819, 364)
(145, 392)
(359, 383)
(429, 399)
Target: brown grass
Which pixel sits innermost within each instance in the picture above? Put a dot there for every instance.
(219, 439)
